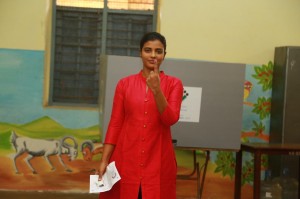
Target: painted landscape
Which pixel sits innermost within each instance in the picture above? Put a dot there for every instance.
(45, 177)
(76, 179)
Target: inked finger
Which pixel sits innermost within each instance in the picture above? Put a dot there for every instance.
(156, 68)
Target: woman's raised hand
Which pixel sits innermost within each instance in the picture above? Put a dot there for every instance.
(153, 80)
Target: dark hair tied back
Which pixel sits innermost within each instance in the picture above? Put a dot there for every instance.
(151, 36)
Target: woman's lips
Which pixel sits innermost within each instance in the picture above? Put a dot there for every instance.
(153, 61)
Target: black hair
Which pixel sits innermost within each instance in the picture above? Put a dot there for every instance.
(151, 36)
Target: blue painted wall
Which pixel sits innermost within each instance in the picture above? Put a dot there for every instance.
(21, 85)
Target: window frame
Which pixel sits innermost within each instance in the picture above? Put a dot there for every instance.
(50, 47)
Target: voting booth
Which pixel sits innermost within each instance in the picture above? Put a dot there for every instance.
(211, 112)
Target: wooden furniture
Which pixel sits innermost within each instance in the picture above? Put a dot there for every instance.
(258, 149)
(196, 170)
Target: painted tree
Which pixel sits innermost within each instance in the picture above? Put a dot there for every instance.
(225, 161)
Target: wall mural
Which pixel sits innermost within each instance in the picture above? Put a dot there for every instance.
(39, 158)
(256, 120)
(57, 149)
(41, 148)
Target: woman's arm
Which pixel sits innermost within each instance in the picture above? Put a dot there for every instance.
(160, 100)
(171, 113)
(153, 82)
(169, 109)
(107, 151)
(114, 129)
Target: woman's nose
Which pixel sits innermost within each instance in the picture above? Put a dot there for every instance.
(153, 54)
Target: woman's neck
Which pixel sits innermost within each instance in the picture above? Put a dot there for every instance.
(145, 73)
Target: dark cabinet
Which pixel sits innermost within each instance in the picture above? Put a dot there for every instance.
(285, 107)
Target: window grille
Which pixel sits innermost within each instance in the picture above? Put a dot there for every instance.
(124, 32)
(112, 4)
(85, 29)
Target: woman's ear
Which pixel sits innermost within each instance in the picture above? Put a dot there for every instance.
(165, 55)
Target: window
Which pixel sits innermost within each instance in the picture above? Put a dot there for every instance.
(85, 29)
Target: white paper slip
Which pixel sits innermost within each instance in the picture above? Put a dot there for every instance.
(110, 177)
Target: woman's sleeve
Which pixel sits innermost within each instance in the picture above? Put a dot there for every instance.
(171, 113)
(117, 116)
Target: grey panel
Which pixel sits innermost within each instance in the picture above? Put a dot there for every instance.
(221, 105)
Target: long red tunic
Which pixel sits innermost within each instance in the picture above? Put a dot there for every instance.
(144, 152)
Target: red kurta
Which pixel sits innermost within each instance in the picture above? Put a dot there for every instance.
(144, 152)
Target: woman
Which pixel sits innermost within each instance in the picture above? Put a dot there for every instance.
(138, 138)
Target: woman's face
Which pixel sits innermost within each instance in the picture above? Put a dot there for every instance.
(152, 53)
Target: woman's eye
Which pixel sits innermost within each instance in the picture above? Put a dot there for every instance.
(159, 51)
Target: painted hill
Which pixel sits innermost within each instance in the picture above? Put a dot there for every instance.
(6, 126)
(46, 123)
(46, 128)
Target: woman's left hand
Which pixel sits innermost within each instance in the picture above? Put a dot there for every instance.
(153, 80)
